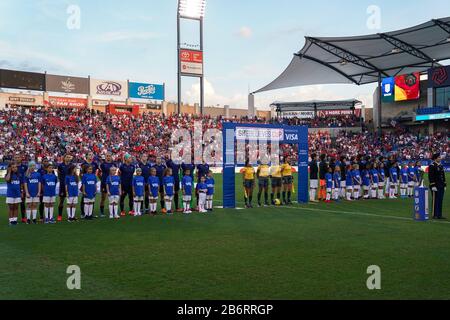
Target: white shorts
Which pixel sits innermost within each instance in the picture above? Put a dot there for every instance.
(72, 200)
(89, 201)
(209, 197)
(403, 185)
(32, 200)
(349, 188)
(411, 183)
(314, 184)
(343, 184)
(114, 199)
(168, 198)
(187, 198)
(357, 187)
(329, 190)
(366, 188)
(49, 199)
(13, 200)
(381, 184)
(138, 198)
(153, 198)
(374, 185)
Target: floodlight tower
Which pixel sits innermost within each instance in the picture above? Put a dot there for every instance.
(190, 62)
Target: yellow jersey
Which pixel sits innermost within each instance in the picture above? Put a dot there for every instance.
(275, 171)
(263, 171)
(286, 170)
(249, 173)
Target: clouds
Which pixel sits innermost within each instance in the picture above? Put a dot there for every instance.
(124, 35)
(245, 32)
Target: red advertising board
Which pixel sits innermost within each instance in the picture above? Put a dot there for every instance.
(60, 102)
(338, 113)
(191, 62)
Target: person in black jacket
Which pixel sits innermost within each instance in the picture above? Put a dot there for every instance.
(313, 178)
(323, 170)
(438, 185)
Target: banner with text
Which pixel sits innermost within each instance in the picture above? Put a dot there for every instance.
(191, 62)
(116, 90)
(63, 102)
(67, 84)
(146, 91)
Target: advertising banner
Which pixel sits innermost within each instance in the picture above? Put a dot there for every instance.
(421, 210)
(67, 84)
(21, 100)
(117, 90)
(387, 89)
(191, 62)
(337, 113)
(255, 134)
(146, 91)
(407, 87)
(298, 114)
(22, 80)
(60, 102)
(439, 77)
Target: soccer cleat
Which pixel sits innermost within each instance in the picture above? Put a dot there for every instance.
(163, 210)
(24, 220)
(28, 221)
(131, 213)
(59, 219)
(34, 221)
(123, 214)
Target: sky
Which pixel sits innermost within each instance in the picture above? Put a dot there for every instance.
(247, 43)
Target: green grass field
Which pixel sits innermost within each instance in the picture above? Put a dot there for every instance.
(302, 252)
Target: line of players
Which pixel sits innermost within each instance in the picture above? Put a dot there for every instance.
(144, 183)
(364, 179)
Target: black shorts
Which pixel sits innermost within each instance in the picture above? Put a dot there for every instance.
(249, 184)
(288, 180)
(103, 187)
(62, 191)
(276, 182)
(263, 182)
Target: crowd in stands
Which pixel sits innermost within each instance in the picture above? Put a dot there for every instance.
(52, 133)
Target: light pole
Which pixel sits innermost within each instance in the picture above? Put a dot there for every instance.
(190, 62)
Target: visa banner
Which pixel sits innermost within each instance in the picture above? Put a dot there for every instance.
(387, 89)
(146, 91)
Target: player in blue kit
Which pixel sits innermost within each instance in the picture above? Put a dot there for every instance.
(186, 186)
(169, 189)
(381, 181)
(329, 184)
(32, 186)
(22, 168)
(349, 183)
(105, 168)
(145, 165)
(403, 180)
(337, 183)
(72, 192)
(49, 181)
(412, 179)
(89, 189)
(138, 192)
(210, 184)
(393, 180)
(160, 168)
(356, 175)
(13, 192)
(366, 182)
(375, 181)
(90, 161)
(114, 190)
(154, 186)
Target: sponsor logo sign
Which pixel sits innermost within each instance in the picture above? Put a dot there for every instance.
(111, 89)
(255, 134)
(191, 62)
(334, 113)
(67, 84)
(387, 89)
(60, 102)
(439, 77)
(299, 114)
(146, 91)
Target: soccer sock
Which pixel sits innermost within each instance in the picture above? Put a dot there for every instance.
(259, 197)
(349, 195)
(86, 210)
(312, 194)
(250, 199)
(111, 211)
(51, 212)
(28, 214)
(271, 197)
(168, 205)
(279, 195)
(34, 213)
(328, 197)
(284, 196)
(69, 212)
(289, 196)
(135, 207)
(266, 198)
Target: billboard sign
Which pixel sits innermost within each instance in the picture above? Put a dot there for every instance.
(146, 91)
(298, 114)
(109, 89)
(191, 62)
(67, 84)
(22, 80)
(432, 117)
(439, 77)
(387, 89)
(60, 102)
(407, 87)
(259, 134)
(339, 113)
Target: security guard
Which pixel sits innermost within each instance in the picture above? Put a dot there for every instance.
(438, 185)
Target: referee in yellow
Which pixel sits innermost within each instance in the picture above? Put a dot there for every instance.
(262, 173)
(288, 180)
(249, 183)
(275, 177)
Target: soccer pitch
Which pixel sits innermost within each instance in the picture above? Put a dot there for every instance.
(302, 252)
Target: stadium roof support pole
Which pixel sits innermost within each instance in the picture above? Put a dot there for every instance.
(380, 104)
(179, 63)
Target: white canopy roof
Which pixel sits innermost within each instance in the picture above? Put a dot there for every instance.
(360, 60)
